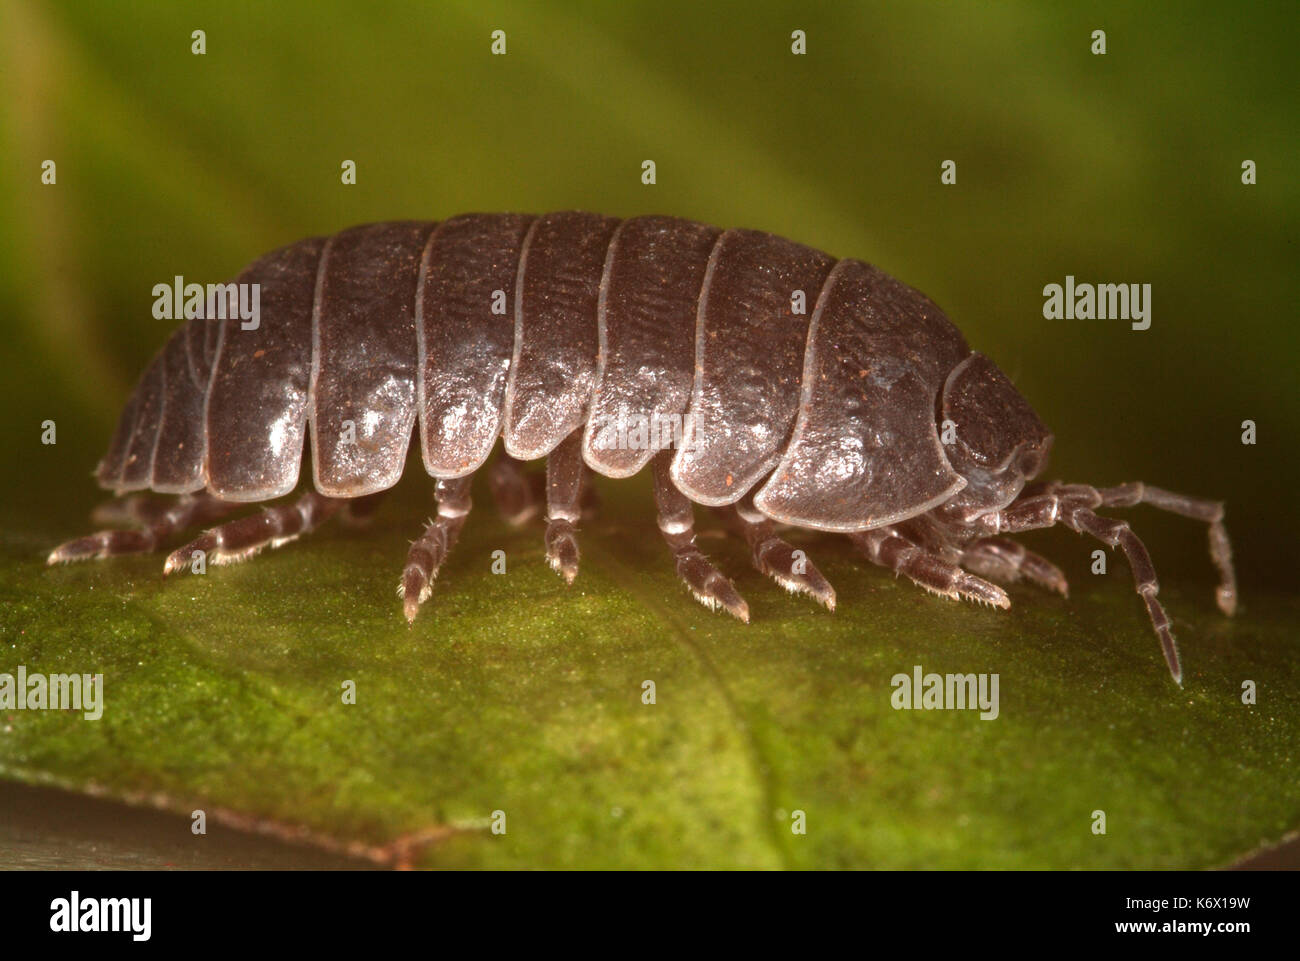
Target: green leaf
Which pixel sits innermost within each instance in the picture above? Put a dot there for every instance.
(515, 693)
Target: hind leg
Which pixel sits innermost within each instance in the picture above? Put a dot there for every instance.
(428, 553)
(677, 523)
(243, 537)
(158, 523)
(140, 509)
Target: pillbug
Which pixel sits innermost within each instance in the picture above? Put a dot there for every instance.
(575, 338)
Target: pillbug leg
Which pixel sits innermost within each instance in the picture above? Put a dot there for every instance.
(243, 537)
(1211, 512)
(428, 553)
(993, 565)
(590, 503)
(564, 483)
(886, 547)
(778, 560)
(513, 490)
(1071, 505)
(360, 511)
(158, 521)
(139, 509)
(677, 523)
(1118, 534)
(998, 558)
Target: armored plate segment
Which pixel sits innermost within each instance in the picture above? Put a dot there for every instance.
(553, 370)
(865, 450)
(178, 459)
(257, 402)
(749, 353)
(108, 473)
(364, 357)
(646, 327)
(159, 442)
(534, 327)
(136, 470)
(465, 348)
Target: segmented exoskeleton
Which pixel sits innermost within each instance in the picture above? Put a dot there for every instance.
(579, 338)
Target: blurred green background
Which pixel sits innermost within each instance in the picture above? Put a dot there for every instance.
(1117, 168)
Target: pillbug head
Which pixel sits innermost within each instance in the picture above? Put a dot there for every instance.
(998, 441)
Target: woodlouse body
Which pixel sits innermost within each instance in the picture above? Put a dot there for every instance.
(555, 333)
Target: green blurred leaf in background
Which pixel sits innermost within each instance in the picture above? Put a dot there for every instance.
(516, 694)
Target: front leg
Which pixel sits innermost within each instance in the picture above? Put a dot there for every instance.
(1119, 534)
(888, 548)
(1000, 558)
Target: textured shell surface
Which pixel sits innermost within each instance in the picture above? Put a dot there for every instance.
(809, 382)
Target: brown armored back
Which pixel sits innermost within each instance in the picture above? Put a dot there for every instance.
(744, 351)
